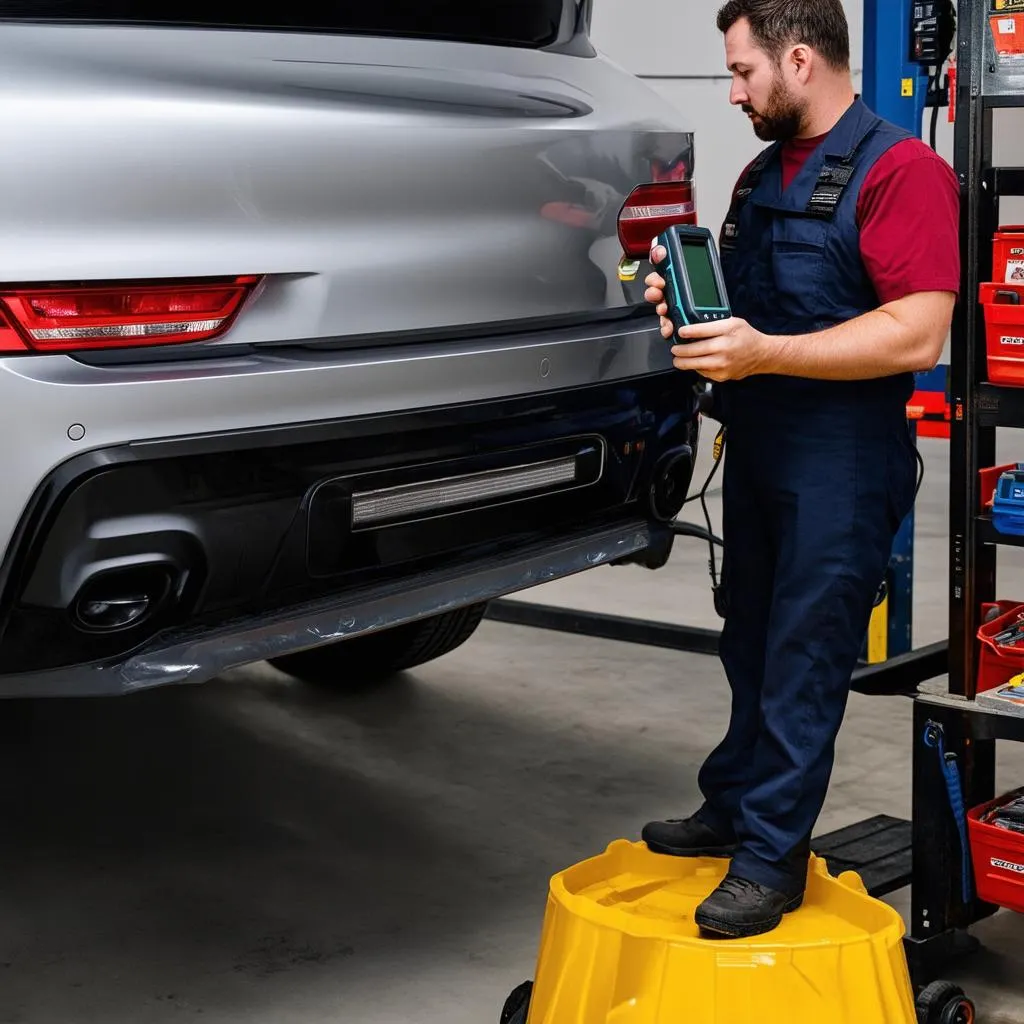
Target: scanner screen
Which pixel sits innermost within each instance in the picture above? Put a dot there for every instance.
(701, 275)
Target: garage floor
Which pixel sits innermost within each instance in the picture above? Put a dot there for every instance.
(255, 850)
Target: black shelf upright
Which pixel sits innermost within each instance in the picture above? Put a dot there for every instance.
(944, 902)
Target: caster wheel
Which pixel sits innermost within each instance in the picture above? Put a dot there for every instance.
(942, 1002)
(517, 1006)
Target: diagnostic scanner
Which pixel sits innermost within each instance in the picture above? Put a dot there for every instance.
(694, 284)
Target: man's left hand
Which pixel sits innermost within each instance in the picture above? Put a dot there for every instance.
(725, 350)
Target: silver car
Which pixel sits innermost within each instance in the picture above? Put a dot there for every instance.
(317, 334)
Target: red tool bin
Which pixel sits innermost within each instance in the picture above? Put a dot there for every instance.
(998, 857)
(998, 665)
(989, 480)
(1008, 254)
(1004, 332)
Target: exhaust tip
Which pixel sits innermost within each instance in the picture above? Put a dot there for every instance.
(121, 599)
(670, 483)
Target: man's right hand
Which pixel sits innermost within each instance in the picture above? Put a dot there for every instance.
(655, 293)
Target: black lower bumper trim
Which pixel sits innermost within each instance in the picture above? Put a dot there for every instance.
(199, 655)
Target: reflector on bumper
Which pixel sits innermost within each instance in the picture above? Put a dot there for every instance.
(397, 503)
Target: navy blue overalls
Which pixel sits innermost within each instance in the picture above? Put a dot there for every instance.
(818, 478)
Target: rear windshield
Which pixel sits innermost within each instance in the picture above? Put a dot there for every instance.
(503, 22)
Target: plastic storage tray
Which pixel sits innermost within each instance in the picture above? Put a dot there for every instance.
(1004, 333)
(998, 857)
(1008, 254)
(1008, 501)
(998, 665)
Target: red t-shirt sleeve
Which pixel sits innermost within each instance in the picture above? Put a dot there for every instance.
(909, 217)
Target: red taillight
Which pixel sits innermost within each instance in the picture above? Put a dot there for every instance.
(675, 171)
(118, 316)
(650, 209)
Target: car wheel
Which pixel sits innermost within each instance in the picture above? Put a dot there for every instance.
(373, 657)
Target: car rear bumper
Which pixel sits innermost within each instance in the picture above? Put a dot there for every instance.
(260, 541)
(57, 407)
(191, 656)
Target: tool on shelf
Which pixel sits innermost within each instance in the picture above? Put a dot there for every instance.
(934, 738)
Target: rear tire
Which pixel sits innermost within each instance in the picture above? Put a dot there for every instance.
(349, 664)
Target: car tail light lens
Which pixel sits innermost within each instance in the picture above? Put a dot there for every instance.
(675, 171)
(118, 315)
(649, 209)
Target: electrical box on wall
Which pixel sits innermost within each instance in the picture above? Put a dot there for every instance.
(924, 34)
(932, 26)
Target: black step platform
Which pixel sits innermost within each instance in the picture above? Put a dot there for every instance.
(878, 849)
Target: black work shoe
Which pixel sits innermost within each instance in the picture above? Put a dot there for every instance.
(687, 837)
(740, 909)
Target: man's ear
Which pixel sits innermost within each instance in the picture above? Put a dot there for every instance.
(798, 63)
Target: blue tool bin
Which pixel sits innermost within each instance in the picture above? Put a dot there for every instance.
(1008, 501)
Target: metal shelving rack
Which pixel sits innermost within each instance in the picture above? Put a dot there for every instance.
(942, 911)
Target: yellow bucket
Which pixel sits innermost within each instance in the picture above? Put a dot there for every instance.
(619, 946)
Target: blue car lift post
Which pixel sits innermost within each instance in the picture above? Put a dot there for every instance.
(897, 90)
(881, 848)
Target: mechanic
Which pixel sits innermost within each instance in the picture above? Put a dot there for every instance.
(841, 257)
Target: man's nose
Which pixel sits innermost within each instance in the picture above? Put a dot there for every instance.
(738, 94)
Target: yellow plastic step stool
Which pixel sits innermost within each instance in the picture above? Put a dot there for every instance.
(619, 946)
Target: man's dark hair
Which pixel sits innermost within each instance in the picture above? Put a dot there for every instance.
(776, 24)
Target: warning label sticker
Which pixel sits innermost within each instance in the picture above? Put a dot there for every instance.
(1014, 272)
(1008, 33)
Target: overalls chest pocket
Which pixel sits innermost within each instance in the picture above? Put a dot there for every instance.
(799, 244)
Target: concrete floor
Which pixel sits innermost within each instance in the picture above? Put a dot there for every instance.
(255, 850)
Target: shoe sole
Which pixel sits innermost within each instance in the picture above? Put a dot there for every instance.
(731, 930)
(679, 851)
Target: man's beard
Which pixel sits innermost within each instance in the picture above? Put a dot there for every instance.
(782, 118)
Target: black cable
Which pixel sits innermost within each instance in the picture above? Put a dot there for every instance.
(697, 532)
(946, 44)
(712, 563)
(933, 88)
(688, 529)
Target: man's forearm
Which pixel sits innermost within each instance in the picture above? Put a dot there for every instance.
(906, 336)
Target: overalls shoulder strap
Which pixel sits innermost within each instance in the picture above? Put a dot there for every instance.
(839, 166)
(750, 180)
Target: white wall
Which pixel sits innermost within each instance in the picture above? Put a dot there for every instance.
(676, 36)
